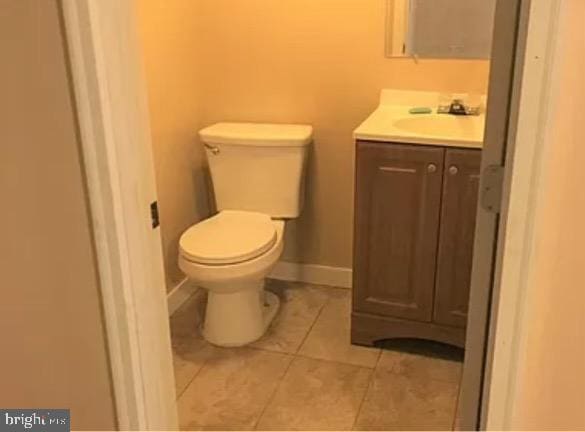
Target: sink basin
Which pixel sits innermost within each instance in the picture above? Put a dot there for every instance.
(440, 125)
(393, 122)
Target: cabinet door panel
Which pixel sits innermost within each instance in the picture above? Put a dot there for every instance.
(398, 190)
(458, 209)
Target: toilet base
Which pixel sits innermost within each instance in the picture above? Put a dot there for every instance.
(240, 316)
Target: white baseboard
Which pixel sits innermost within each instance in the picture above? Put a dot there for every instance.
(311, 273)
(179, 295)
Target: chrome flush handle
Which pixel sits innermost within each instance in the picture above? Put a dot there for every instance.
(214, 150)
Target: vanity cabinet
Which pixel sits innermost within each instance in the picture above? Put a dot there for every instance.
(456, 234)
(414, 227)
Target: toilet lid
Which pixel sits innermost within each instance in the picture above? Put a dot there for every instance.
(229, 237)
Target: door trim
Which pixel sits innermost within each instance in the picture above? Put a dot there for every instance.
(534, 87)
(110, 101)
(486, 397)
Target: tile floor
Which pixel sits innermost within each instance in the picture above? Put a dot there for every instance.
(305, 375)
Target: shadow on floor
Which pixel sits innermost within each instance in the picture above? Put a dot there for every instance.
(424, 348)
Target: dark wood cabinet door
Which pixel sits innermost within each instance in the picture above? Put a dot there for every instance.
(458, 210)
(398, 193)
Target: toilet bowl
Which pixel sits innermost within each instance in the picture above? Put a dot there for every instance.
(257, 172)
(231, 257)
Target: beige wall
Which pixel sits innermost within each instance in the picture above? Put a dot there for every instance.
(169, 40)
(551, 382)
(317, 62)
(53, 342)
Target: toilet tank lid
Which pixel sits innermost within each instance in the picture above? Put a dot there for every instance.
(258, 134)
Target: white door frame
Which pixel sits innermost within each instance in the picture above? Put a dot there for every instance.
(529, 137)
(111, 106)
(486, 393)
(114, 126)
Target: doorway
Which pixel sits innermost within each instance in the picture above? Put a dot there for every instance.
(130, 255)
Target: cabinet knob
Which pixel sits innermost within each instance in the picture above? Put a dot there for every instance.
(431, 168)
(453, 170)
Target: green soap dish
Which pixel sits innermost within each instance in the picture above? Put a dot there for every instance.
(420, 110)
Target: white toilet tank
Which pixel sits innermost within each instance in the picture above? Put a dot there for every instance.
(258, 167)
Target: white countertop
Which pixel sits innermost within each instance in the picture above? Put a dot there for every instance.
(392, 122)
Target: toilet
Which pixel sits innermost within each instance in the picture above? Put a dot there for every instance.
(257, 171)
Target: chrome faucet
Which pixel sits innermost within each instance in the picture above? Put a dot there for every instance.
(458, 107)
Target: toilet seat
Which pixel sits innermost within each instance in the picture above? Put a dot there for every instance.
(229, 237)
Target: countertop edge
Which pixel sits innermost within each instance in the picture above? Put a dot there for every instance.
(437, 142)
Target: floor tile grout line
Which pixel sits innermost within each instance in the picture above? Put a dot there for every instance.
(306, 356)
(312, 325)
(273, 394)
(370, 384)
(438, 380)
(268, 350)
(380, 352)
(198, 371)
(359, 410)
(453, 423)
(337, 362)
(293, 356)
(392, 370)
(179, 394)
(193, 378)
(295, 352)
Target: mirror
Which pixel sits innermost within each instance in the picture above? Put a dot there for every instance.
(448, 29)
